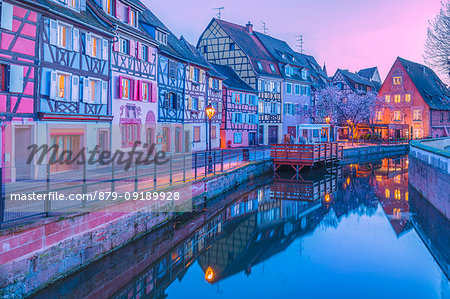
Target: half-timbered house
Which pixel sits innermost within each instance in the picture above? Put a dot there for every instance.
(134, 82)
(225, 43)
(350, 82)
(419, 103)
(240, 117)
(203, 87)
(171, 73)
(296, 89)
(19, 52)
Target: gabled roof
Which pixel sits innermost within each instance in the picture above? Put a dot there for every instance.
(252, 46)
(191, 53)
(277, 48)
(354, 78)
(367, 73)
(431, 88)
(232, 80)
(86, 18)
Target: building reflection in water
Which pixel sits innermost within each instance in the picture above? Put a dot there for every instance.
(236, 234)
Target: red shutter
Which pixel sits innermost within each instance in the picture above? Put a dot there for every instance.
(117, 9)
(132, 48)
(154, 93)
(140, 90)
(136, 90)
(120, 87)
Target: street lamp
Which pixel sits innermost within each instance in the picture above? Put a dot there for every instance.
(327, 119)
(210, 111)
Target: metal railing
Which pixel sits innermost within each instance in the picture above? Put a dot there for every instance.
(86, 179)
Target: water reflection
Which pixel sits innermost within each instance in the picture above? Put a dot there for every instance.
(259, 224)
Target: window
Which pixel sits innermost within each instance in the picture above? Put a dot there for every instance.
(397, 80)
(259, 65)
(126, 89)
(73, 4)
(407, 97)
(94, 91)
(130, 134)
(64, 36)
(272, 68)
(288, 88)
(379, 115)
(205, 49)
(172, 100)
(133, 20)
(95, 46)
(297, 89)
(196, 75)
(442, 116)
(106, 4)
(213, 132)
(397, 115)
(236, 97)
(417, 115)
(237, 137)
(237, 119)
(195, 104)
(387, 98)
(144, 52)
(197, 134)
(63, 86)
(124, 46)
(397, 98)
(304, 74)
(145, 92)
(161, 37)
(2, 77)
(215, 84)
(273, 108)
(340, 85)
(232, 46)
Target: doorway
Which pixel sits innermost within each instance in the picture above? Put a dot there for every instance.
(261, 134)
(166, 139)
(178, 140)
(22, 142)
(273, 134)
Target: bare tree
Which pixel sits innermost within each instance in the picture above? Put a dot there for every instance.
(437, 46)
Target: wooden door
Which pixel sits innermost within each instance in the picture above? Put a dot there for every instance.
(22, 142)
(166, 139)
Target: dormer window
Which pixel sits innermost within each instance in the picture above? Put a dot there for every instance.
(304, 74)
(272, 68)
(283, 56)
(75, 4)
(289, 71)
(259, 65)
(161, 37)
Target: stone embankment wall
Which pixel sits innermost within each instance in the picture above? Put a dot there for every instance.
(39, 253)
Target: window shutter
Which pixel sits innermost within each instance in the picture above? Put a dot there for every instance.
(135, 84)
(53, 32)
(75, 88)
(76, 40)
(132, 48)
(189, 106)
(138, 50)
(69, 38)
(7, 16)
(154, 92)
(88, 44)
(191, 73)
(233, 117)
(105, 49)
(82, 5)
(120, 87)
(211, 83)
(140, 96)
(53, 87)
(219, 107)
(202, 74)
(178, 99)
(104, 99)
(86, 90)
(233, 97)
(278, 108)
(15, 78)
(117, 10)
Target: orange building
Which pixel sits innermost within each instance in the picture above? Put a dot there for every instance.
(419, 103)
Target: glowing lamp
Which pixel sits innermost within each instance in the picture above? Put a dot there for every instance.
(210, 111)
(327, 119)
(209, 274)
(327, 197)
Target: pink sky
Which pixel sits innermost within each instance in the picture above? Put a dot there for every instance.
(347, 34)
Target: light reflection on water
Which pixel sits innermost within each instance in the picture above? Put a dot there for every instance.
(348, 232)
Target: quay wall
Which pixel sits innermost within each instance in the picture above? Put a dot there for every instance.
(429, 172)
(37, 254)
(373, 150)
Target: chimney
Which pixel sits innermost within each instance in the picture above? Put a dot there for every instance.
(249, 27)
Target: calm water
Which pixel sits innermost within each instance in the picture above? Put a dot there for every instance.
(349, 232)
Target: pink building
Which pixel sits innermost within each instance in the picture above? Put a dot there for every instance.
(18, 69)
(240, 111)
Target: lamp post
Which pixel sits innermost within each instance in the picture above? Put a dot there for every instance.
(210, 111)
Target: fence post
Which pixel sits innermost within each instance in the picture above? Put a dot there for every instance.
(2, 198)
(136, 180)
(206, 163)
(221, 162)
(113, 177)
(214, 161)
(170, 170)
(154, 175)
(47, 207)
(195, 166)
(184, 168)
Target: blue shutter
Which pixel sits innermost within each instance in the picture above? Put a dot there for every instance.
(76, 40)
(105, 49)
(53, 32)
(7, 16)
(86, 90)
(104, 98)
(53, 87)
(75, 88)
(15, 78)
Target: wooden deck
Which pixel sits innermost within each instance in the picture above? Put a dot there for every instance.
(300, 155)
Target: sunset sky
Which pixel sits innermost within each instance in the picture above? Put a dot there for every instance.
(347, 34)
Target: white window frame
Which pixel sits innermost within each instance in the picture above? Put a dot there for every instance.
(69, 37)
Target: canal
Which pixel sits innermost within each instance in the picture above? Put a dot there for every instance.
(355, 231)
